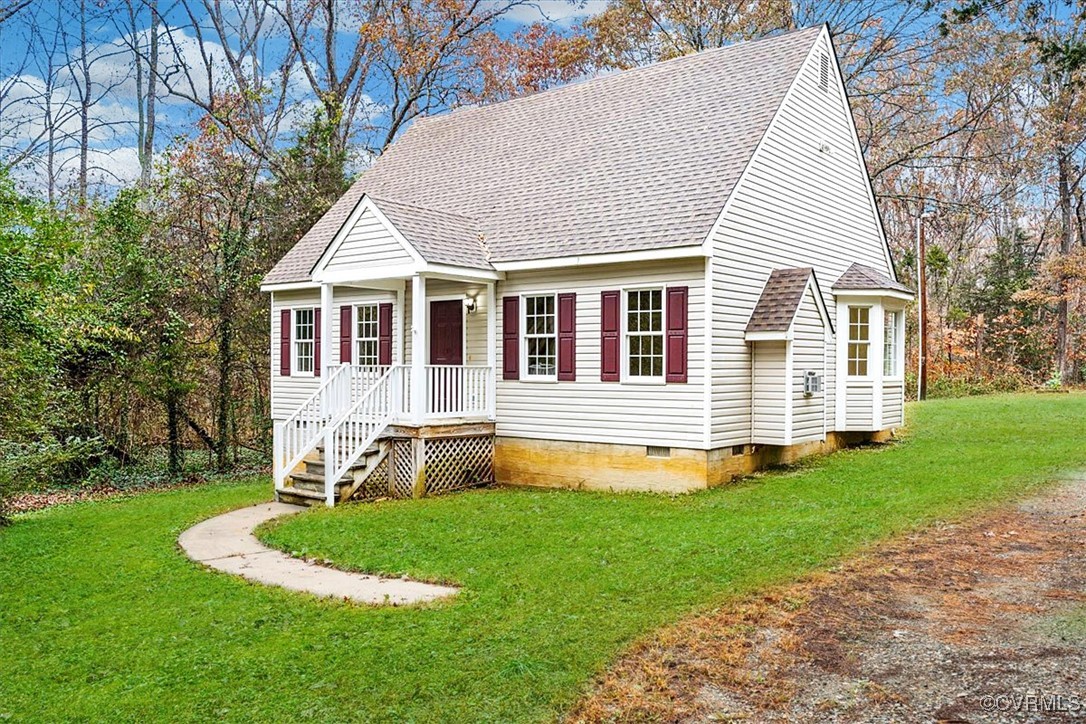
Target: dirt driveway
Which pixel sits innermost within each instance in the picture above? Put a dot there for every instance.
(983, 621)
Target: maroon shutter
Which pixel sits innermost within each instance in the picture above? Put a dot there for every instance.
(609, 341)
(567, 336)
(510, 338)
(284, 343)
(676, 334)
(384, 334)
(346, 321)
(316, 342)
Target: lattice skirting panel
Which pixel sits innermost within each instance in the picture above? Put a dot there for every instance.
(448, 464)
(455, 463)
(403, 468)
(376, 483)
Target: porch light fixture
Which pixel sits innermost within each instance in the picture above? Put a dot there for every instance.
(471, 305)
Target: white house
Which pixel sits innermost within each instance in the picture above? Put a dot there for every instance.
(656, 279)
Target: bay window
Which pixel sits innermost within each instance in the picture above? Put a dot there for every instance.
(891, 343)
(859, 340)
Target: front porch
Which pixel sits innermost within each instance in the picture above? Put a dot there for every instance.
(404, 407)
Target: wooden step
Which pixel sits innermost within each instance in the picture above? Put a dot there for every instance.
(299, 496)
(308, 481)
(315, 466)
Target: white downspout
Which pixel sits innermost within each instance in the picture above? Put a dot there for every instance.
(492, 349)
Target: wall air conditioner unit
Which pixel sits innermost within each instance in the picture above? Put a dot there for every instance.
(812, 383)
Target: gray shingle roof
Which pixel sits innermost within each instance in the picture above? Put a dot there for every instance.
(780, 300)
(638, 160)
(860, 276)
(438, 235)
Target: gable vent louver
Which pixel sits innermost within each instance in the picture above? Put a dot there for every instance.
(824, 73)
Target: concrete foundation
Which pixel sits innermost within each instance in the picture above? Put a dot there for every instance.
(605, 466)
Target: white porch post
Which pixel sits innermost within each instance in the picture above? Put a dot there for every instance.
(419, 348)
(326, 328)
(326, 363)
(491, 349)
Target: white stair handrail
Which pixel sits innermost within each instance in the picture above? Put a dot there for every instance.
(347, 437)
(301, 431)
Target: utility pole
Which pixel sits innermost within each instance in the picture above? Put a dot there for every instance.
(922, 306)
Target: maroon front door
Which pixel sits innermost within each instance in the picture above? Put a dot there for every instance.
(447, 332)
(446, 348)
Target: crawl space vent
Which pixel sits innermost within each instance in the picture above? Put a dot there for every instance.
(656, 451)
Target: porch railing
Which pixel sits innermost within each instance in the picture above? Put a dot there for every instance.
(355, 398)
(457, 391)
(295, 436)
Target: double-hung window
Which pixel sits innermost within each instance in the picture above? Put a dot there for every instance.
(304, 336)
(891, 344)
(366, 335)
(540, 337)
(644, 334)
(859, 340)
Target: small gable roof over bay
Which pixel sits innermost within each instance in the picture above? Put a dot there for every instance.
(634, 161)
(781, 299)
(860, 277)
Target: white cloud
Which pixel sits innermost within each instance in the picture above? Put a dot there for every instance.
(555, 11)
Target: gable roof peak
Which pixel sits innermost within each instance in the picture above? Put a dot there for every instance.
(640, 160)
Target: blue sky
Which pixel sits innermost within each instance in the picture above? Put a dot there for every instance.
(47, 34)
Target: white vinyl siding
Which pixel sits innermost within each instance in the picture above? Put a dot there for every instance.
(809, 350)
(770, 384)
(860, 401)
(893, 403)
(588, 410)
(288, 393)
(796, 206)
(368, 244)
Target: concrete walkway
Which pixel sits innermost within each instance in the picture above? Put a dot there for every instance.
(226, 543)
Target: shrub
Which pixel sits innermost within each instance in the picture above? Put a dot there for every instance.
(27, 466)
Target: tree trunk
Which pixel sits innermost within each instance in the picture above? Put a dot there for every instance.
(173, 431)
(1063, 341)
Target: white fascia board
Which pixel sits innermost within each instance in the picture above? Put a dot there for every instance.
(288, 286)
(461, 273)
(346, 276)
(618, 257)
(405, 271)
(873, 294)
(774, 336)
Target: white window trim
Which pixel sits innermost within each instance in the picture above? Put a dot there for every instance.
(626, 377)
(899, 345)
(528, 376)
(870, 375)
(355, 339)
(295, 371)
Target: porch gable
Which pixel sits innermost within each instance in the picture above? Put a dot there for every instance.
(367, 239)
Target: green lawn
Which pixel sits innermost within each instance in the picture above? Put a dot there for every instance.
(102, 618)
